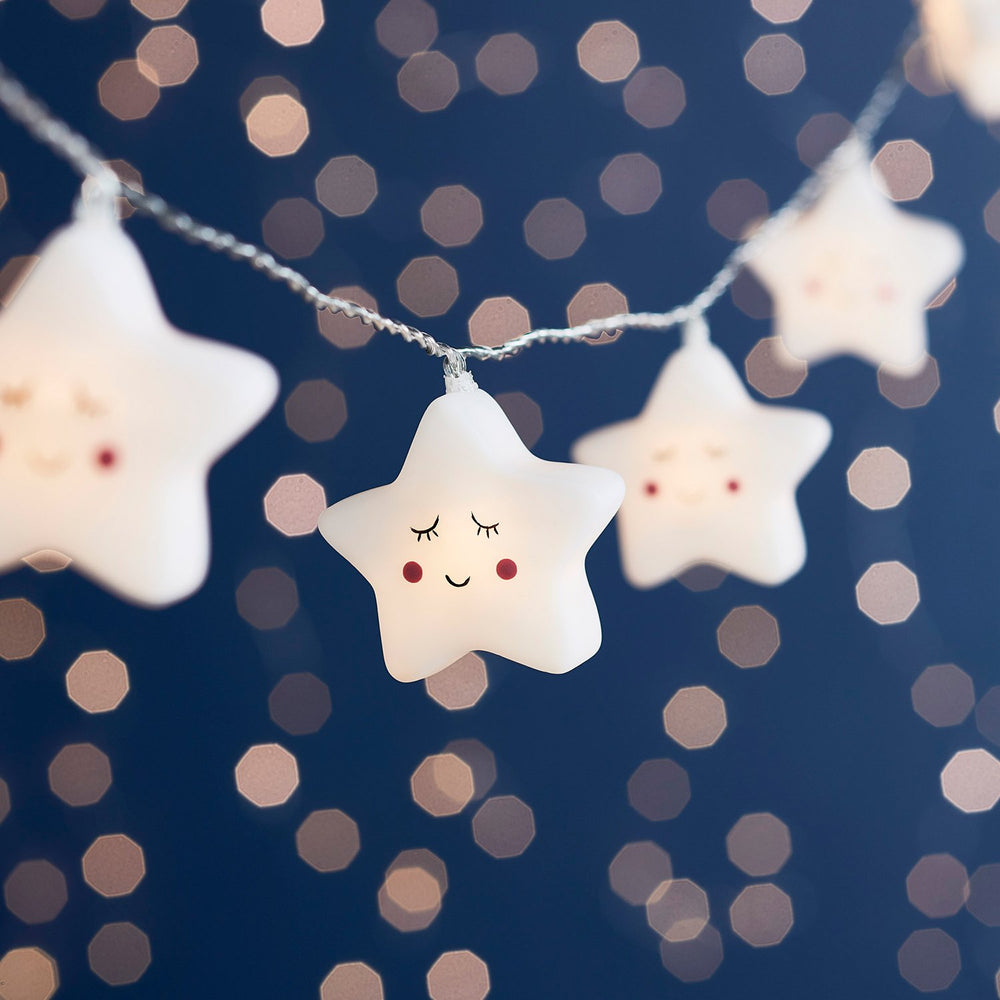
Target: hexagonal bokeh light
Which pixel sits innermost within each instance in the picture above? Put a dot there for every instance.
(119, 953)
(299, 703)
(654, 97)
(938, 885)
(735, 208)
(294, 503)
(596, 301)
(631, 183)
(943, 695)
(984, 895)
(507, 64)
(352, 981)
(970, 781)
(759, 844)
(293, 228)
(22, 629)
(693, 961)
(781, 11)
(504, 826)
(277, 125)
(678, 910)
(480, 758)
(267, 598)
(929, 960)
(762, 915)
(460, 685)
(497, 320)
(77, 10)
(159, 10)
(126, 92)
(404, 27)
(695, 717)
(167, 55)
(341, 330)
(442, 784)
(638, 870)
(428, 286)
(35, 891)
(903, 169)
(775, 64)
(97, 681)
(888, 592)
(346, 186)
(292, 22)
(80, 774)
(555, 228)
(328, 840)
(29, 973)
(608, 51)
(411, 895)
(659, 789)
(452, 215)
(772, 371)
(316, 410)
(820, 135)
(428, 81)
(879, 478)
(988, 715)
(748, 636)
(114, 865)
(267, 775)
(458, 975)
(911, 390)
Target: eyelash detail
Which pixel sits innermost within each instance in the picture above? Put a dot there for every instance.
(15, 396)
(495, 528)
(89, 406)
(420, 532)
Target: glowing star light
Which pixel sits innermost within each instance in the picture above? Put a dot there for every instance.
(478, 544)
(854, 274)
(965, 37)
(710, 475)
(110, 419)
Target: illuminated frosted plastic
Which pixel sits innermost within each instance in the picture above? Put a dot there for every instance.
(110, 419)
(855, 273)
(478, 544)
(710, 474)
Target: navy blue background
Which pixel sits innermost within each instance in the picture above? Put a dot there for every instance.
(824, 736)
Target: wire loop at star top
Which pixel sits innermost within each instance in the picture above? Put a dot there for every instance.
(106, 186)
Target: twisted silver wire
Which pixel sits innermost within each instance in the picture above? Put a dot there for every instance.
(80, 154)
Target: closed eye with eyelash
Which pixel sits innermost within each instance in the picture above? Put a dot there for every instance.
(421, 532)
(480, 528)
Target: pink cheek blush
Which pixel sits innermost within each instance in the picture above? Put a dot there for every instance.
(733, 486)
(506, 569)
(106, 458)
(412, 572)
(651, 489)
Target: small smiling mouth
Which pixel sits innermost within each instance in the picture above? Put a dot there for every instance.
(462, 584)
(47, 465)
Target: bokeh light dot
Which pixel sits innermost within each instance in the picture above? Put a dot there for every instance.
(77, 10)
(555, 228)
(428, 81)
(119, 953)
(452, 215)
(772, 371)
(984, 895)
(22, 629)
(781, 11)
(819, 136)
(404, 27)
(638, 869)
(735, 208)
(80, 774)
(497, 320)
(608, 51)
(480, 759)
(267, 775)
(678, 910)
(28, 974)
(277, 125)
(507, 64)
(695, 717)
(4, 800)
(328, 840)
(938, 885)
(888, 592)
(459, 685)
(97, 681)
(342, 330)
(316, 410)
(35, 891)
(168, 55)
(504, 826)
(759, 844)
(299, 703)
(267, 598)
(265, 86)
(458, 975)
(442, 785)
(929, 960)
(292, 22)
(693, 961)
(596, 301)
(654, 97)
(879, 478)
(748, 636)
(352, 981)
(293, 228)
(988, 715)
(346, 186)
(762, 915)
(913, 389)
(659, 789)
(428, 286)
(631, 183)
(775, 64)
(293, 504)
(159, 10)
(970, 780)
(943, 695)
(114, 865)
(903, 169)
(126, 92)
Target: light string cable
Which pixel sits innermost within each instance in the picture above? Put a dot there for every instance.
(54, 133)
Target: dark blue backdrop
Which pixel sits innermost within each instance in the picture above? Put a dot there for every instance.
(824, 736)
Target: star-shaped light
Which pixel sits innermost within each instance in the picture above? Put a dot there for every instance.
(965, 37)
(110, 419)
(854, 274)
(478, 544)
(710, 475)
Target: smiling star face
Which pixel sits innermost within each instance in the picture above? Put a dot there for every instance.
(710, 475)
(478, 545)
(110, 419)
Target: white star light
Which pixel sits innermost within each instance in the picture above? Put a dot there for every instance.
(478, 544)
(710, 475)
(854, 275)
(965, 37)
(110, 419)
